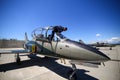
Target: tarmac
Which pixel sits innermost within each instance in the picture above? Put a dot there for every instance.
(40, 68)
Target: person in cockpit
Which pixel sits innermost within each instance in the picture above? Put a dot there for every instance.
(58, 30)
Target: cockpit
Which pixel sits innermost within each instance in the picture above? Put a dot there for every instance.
(44, 34)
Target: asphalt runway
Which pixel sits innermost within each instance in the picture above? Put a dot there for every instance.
(40, 68)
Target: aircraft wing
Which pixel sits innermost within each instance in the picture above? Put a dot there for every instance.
(6, 51)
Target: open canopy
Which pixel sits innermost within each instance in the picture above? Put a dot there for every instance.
(45, 32)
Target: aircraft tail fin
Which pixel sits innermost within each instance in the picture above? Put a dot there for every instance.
(26, 37)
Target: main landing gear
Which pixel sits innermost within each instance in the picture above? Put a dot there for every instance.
(72, 73)
(17, 58)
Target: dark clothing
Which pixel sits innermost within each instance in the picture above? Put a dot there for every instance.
(57, 29)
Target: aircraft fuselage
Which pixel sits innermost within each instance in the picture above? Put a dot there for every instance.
(70, 50)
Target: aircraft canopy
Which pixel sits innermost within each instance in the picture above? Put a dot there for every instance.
(45, 32)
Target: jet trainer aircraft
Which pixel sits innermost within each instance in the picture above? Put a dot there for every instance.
(59, 47)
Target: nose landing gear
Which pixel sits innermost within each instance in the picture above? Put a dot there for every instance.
(72, 73)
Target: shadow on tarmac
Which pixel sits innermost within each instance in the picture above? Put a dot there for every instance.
(49, 63)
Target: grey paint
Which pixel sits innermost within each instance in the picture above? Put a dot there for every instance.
(71, 50)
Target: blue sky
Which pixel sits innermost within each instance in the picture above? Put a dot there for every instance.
(84, 18)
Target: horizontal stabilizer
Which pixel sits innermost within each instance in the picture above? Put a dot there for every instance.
(13, 51)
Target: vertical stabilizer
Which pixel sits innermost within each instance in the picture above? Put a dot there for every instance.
(26, 37)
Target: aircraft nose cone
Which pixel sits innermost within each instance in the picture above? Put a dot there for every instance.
(94, 53)
(86, 52)
(103, 56)
(107, 58)
(98, 54)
